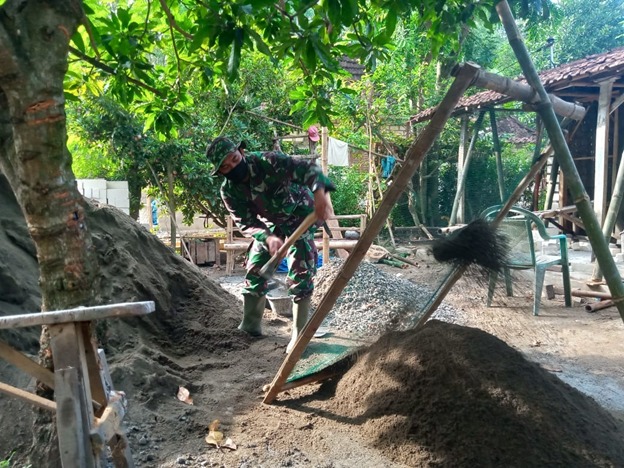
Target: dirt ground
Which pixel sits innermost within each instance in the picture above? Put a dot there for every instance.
(496, 387)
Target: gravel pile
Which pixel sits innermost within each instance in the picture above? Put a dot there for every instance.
(374, 302)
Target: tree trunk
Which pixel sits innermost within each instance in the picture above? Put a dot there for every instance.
(34, 39)
(172, 205)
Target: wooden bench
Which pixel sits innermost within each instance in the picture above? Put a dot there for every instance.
(236, 242)
(88, 410)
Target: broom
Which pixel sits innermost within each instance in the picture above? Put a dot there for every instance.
(477, 244)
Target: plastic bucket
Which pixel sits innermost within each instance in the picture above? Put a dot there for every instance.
(281, 305)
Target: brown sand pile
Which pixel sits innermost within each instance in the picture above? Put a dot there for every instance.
(457, 396)
(193, 316)
(134, 266)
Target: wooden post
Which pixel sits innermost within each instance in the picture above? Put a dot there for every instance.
(325, 168)
(461, 162)
(414, 157)
(498, 155)
(562, 152)
(463, 176)
(612, 213)
(72, 393)
(616, 146)
(602, 150)
(536, 153)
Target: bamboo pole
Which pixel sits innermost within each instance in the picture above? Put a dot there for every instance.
(611, 217)
(499, 157)
(458, 271)
(414, 157)
(526, 93)
(596, 306)
(563, 155)
(463, 176)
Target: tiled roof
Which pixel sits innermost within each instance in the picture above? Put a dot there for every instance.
(353, 67)
(573, 81)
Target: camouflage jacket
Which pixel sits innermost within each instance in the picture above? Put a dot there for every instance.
(277, 196)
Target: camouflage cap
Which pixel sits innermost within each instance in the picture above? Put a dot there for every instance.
(218, 151)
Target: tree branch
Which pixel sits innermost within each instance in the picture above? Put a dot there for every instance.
(108, 69)
(172, 21)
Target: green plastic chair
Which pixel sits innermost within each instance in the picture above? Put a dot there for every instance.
(517, 227)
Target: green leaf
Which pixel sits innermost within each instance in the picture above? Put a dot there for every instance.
(78, 42)
(323, 53)
(333, 12)
(260, 44)
(348, 11)
(391, 22)
(124, 16)
(235, 53)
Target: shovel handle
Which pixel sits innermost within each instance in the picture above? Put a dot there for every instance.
(281, 253)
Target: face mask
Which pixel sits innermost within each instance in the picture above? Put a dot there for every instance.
(239, 173)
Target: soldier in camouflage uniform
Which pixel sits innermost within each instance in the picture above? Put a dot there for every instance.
(268, 194)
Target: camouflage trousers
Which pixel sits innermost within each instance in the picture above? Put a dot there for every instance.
(302, 259)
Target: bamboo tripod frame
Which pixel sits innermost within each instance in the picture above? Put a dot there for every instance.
(414, 157)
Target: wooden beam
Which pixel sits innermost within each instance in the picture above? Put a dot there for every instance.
(583, 293)
(602, 150)
(28, 397)
(413, 159)
(496, 146)
(81, 314)
(461, 161)
(617, 103)
(72, 421)
(26, 364)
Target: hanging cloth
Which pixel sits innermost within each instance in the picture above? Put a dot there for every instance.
(337, 153)
(387, 164)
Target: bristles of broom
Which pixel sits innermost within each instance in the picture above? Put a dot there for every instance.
(477, 244)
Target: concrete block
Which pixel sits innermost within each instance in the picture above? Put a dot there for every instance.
(118, 203)
(97, 184)
(118, 193)
(117, 184)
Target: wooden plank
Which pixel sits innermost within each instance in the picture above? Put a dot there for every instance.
(415, 155)
(67, 342)
(28, 397)
(29, 366)
(81, 314)
(72, 426)
(92, 362)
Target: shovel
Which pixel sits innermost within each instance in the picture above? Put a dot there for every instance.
(269, 268)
